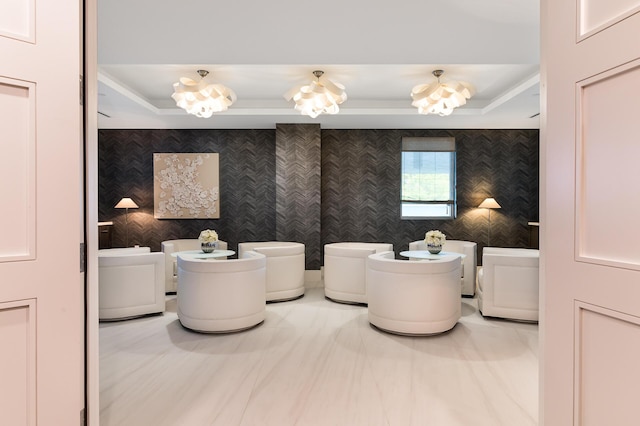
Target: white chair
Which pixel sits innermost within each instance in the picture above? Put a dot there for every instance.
(508, 283)
(219, 296)
(130, 283)
(414, 297)
(345, 266)
(285, 267)
(469, 263)
(171, 267)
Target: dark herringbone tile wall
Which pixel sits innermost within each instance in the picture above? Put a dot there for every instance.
(359, 178)
(298, 155)
(247, 190)
(361, 186)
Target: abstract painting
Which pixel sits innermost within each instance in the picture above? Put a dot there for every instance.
(186, 186)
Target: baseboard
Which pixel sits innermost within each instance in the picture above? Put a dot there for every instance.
(313, 278)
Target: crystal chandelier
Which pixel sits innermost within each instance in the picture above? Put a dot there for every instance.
(200, 98)
(439, 98)
(319, 97)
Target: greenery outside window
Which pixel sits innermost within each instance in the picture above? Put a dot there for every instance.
(428, 188)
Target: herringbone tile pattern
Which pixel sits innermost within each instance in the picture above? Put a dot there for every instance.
(361, 186)
(298, 188)
(247, 192)
(316, 186)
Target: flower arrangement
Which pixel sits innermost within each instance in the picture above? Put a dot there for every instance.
(208, 236)
(434, 238)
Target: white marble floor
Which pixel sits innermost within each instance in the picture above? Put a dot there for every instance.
(316, 362)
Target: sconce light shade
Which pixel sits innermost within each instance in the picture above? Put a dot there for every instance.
(489, 203)
(319, 97)
(202, 99)
(439, 98)
(126, 203)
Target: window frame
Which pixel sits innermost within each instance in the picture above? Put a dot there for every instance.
(430, 144)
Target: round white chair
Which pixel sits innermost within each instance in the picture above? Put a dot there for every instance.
(508, 283)
(285, 267)
(130, 283)
(413, 297)
(469, 263)
(345, 266)
(171, 266)
(219, 296)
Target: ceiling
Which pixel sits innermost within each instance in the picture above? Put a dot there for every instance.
(378, 50)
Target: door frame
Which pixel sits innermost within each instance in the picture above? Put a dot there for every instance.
(92, 332)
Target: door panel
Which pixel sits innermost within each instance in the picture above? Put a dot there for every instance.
(596, 15)
(41, 286)
(18, 166)
(607, 151)
(18, 366)
(605, 366)
(18, 20)
(590, 258)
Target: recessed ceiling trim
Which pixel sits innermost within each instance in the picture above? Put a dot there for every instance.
(512, 93)
(264, 107)
(126, 92)
(238, 111)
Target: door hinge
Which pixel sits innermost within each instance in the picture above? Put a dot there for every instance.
(83, 417)
(83, 257)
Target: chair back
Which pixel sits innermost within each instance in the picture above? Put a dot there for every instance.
(222, 295)
(413, 296)
(171, 266)
(130, 283)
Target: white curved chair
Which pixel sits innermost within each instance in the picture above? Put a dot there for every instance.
(345, 266)
(285, 267)
(171, 267)
(414, 297)
(469, 263)
(130, 283)
(508, 283)
(219, 296)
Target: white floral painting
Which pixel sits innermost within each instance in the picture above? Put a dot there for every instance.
(186, 186)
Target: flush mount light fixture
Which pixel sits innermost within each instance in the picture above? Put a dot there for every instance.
(319, 97)
(439, 98)
(200, 98)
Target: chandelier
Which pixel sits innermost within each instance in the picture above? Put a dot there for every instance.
(439, 98)
(319, 97)
(200, 98)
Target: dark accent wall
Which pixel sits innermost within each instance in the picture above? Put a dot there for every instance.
(269, 185)
(361, 186)
(247, 190)
(298, 217)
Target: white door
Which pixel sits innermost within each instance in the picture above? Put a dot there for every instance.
(41, 285)
(590, 234)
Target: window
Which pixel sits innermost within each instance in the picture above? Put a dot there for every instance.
(428, 178)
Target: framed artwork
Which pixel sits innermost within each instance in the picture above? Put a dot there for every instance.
(186, 186)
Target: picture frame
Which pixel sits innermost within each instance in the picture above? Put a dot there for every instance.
(186, 186)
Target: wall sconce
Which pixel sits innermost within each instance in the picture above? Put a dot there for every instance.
(126, 203)
(489, 203)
